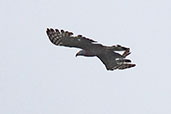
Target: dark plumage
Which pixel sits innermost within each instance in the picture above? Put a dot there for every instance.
(90, 48)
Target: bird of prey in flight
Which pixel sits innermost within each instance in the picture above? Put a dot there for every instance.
(90, 48)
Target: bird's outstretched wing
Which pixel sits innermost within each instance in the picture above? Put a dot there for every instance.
(65, 38)
(113, 61)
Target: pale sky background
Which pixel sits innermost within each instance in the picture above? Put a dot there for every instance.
(37, 77)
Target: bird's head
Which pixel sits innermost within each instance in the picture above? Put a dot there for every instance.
(81, 53)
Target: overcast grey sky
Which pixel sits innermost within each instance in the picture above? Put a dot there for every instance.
(37, 77)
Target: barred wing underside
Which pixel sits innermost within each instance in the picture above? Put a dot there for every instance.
(65, 38)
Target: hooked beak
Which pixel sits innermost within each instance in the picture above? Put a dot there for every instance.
(76, 54)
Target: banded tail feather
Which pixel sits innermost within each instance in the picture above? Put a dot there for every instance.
(125, 66)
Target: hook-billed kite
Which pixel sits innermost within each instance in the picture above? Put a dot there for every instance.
(91, 48)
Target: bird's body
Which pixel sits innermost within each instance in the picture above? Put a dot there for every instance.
(90, 48)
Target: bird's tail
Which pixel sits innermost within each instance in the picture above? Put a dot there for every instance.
(126, 53)
(125, 66)
(122, 60)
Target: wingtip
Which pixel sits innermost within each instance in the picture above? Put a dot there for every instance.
(56, 30)
(133, 65)
(47, 29)
(62, 31)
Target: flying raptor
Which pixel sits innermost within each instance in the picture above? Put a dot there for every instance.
(90, 48)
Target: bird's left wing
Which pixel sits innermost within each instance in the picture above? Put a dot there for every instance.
(65, 38)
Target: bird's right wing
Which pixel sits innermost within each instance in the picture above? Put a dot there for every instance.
(65, 38)
(113, 61)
